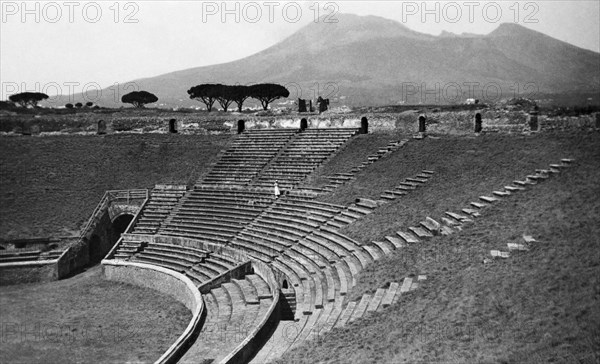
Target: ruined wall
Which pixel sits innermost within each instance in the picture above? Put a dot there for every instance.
(453, 122)
(30, 273)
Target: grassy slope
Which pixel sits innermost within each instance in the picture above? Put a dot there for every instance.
(86, 319)
(465, 169)
(355, 152)
(51, 185)
(539, 306)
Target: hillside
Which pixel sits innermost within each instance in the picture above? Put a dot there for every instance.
(50, 185)
(366, 60)
(537, 306)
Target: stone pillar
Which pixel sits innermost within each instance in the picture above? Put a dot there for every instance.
(301, 105)
(364, 125)
(310, 106)
(173, 126)
(26, 128)
(303, 123)
(241, 126)
(478, 123)
(101, 127)
(422, 127)
(533, 121)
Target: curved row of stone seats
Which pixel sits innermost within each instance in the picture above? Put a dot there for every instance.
(199, 265)
(163, 198)
(287, 221)
(233, 310)
(381, 299)
(320, 269)
(307, 207)
(316, 308)
(216, 213)
(313, 263)
(247, 155)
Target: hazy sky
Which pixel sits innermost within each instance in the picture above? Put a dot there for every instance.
(73, 46)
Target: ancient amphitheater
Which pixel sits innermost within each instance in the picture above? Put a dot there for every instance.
(264, 273)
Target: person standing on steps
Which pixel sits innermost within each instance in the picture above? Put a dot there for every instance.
(276, 188)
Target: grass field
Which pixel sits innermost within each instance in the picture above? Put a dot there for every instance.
(540, 306)
(86, 319)
(51, 185)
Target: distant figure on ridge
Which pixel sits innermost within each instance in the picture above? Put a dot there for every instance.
(276, 188)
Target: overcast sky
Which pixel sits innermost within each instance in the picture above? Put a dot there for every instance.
(66, 46)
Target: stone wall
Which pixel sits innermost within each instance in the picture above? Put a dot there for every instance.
(444, 122)
(166, 282)
(29, 272)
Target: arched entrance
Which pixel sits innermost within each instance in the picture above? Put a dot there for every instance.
(120, 224)
(106, 236)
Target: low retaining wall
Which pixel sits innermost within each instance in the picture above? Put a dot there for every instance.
(28, 272)
(439, 122)
(167, 282)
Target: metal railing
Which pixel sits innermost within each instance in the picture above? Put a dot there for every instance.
(108, 197)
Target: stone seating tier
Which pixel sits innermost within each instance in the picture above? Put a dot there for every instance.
(233, 311)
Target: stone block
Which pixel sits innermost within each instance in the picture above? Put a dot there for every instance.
(365, 202)
(397, 243)
(513, 188)
(499, 254)
(471, 212)
(431, 225)
(515, 246)
(406, 284)
(479, 205)
(458, 217)
(420, 232)
(409, 238)
(488, 199)
(389, 296)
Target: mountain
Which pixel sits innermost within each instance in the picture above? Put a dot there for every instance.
(369, 60)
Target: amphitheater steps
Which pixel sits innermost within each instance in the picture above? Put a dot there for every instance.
(390, 294)
(361, 308)
(318, 329)
(162, 200)
(374, 251)
(408, 237)
(280, 341)
(381, 299)
(19, 256)
(376, 300)
(233, 311)
(406, 186)
(385, 246)
(395, 242)
(346, 314)
(127, 249)
(339, 179)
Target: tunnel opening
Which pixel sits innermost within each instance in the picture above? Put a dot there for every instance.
(104, 239)
(119, 225)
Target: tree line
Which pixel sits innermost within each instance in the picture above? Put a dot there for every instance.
(207, 93)
(225, 95)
